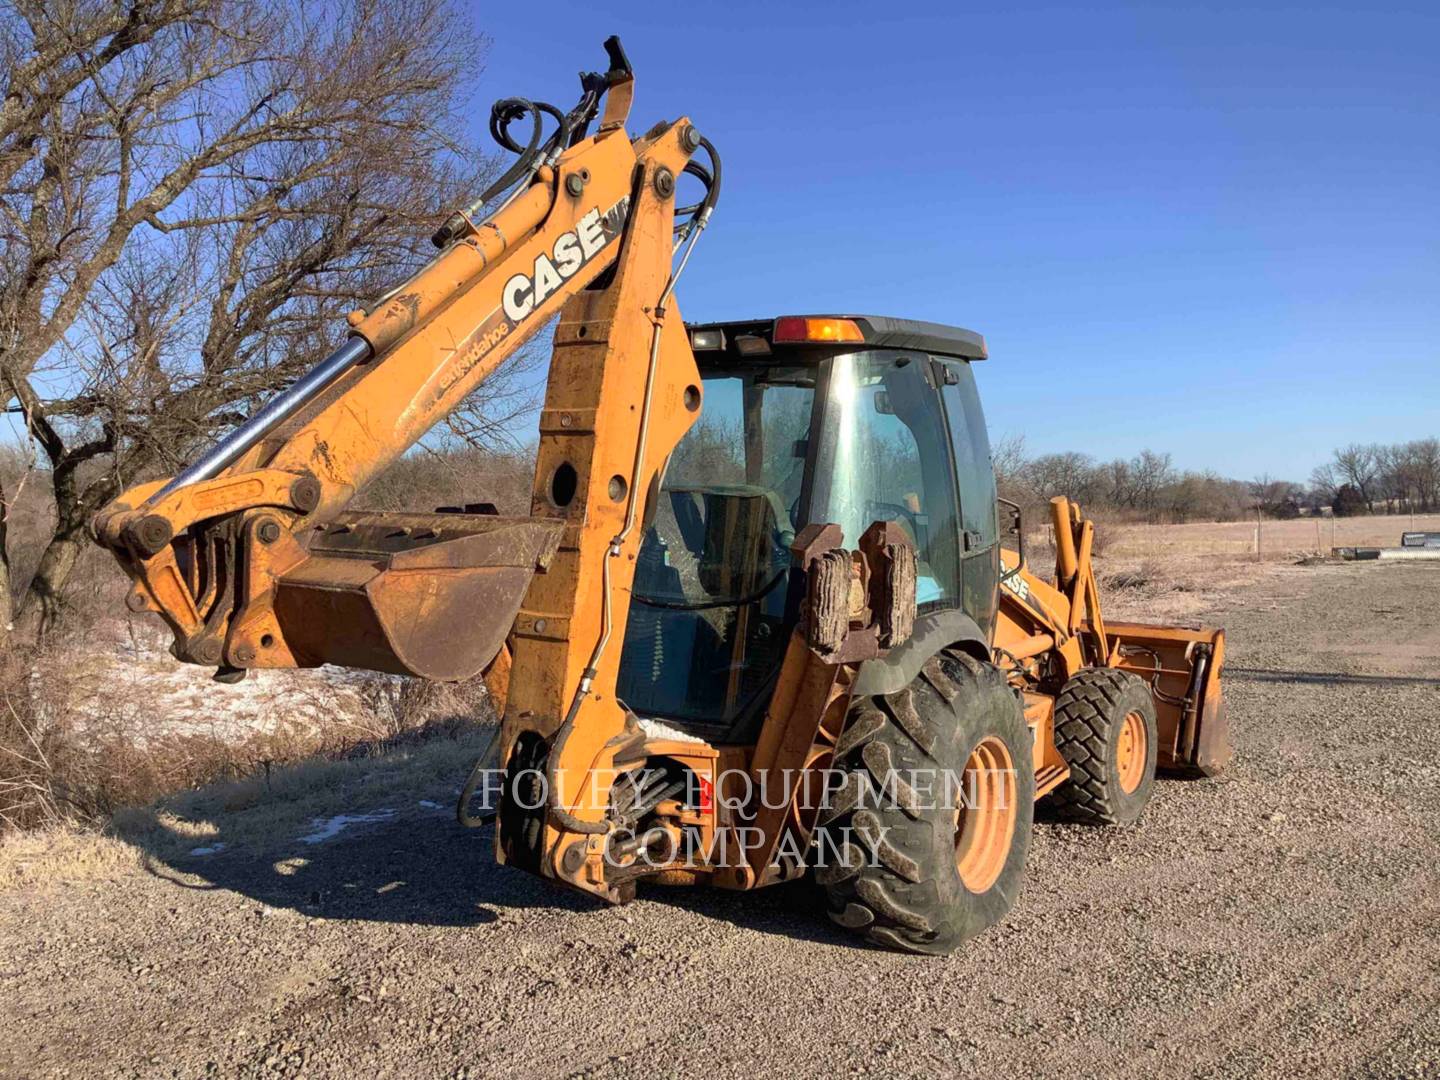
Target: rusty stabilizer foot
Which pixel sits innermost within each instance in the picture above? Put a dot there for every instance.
(858, 604)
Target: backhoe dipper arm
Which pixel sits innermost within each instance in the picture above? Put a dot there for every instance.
(248, 554)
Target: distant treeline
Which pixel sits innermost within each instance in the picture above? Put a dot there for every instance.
(1380, 478)
(1359, 479)
(1146, 487)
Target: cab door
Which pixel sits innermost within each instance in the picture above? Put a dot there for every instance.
(975, 479)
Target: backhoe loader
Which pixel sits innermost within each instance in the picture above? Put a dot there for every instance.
(762, 620)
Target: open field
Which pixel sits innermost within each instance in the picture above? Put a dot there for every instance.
(332, 920)
(1277, 538)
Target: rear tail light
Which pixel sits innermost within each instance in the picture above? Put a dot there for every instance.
(707, 796)
(793, 329)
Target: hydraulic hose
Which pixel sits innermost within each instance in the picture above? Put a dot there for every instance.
(502, 114)
(710, 177)
(587, 678)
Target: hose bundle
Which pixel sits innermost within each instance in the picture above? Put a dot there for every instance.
(570, 128)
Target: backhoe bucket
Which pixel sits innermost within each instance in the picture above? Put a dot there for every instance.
(432, 595)
(1181, 665)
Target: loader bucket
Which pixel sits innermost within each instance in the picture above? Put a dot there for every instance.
(432, 595)
(1181, 665)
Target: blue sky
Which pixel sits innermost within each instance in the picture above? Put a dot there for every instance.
(1210, 230)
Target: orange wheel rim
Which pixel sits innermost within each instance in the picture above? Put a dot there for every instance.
(986, 817)
(1131, 752)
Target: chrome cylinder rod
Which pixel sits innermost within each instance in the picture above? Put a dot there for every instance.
(274, 413)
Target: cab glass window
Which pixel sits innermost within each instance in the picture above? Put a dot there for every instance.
(706, 632)
(884, 457)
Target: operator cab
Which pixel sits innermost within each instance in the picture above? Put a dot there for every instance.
(844, 419)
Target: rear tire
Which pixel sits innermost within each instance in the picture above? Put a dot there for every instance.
(901, 864)
(1105, 729)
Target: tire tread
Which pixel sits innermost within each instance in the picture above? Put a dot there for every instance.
(896, 880)
(1084, 714)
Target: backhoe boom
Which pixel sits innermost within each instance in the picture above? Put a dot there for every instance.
(248, 554)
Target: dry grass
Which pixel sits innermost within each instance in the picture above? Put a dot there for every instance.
(1160, 572)
(262, 812)
(259, 812)
(103, 736)
(1278, 539)
(62, 855)
(1177, 587)
(64, 773)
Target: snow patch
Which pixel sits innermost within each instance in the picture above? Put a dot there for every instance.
(329, 828)
(210, 849)
(130, 682)
(656, 729)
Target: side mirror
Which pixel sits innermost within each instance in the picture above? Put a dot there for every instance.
(1016, 525)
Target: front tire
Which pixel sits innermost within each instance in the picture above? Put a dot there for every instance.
(906, 866)
(1105, 730)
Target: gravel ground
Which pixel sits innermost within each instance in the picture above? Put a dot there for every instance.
(1282, 921)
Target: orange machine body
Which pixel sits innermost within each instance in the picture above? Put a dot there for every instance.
(1047, 631)
(261, 566)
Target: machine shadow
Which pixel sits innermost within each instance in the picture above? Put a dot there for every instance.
(795, 910)
(1269, 675)
(412, 869)
(426, 870)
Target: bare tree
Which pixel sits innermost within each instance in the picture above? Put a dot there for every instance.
(1405, 476)
(5, 511)
(1356, 465)
(1069, 473)
(1392, 475)
(1199, 496)
(1261, 489)
(1152, 473)
(192, 193)
(1118, 482)
(1325, 481)
(1277, 498)
(1424, 457)
(1007, 455)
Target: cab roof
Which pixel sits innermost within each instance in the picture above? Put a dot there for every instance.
(879, 331)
